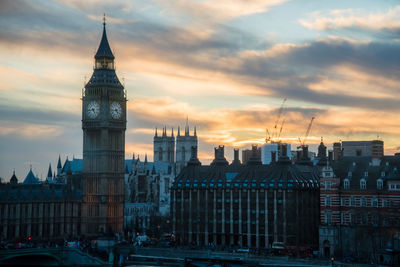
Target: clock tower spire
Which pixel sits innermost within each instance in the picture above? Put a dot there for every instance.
(103, 125)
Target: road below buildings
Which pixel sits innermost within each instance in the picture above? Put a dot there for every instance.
(219, 256)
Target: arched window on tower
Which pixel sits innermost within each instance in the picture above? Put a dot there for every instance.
(160, 154)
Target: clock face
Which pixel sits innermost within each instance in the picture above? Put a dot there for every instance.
(115, 110)
(93, 109)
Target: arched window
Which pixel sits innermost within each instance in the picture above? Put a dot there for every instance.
(379, 184)
(363, 184)
(346, 183)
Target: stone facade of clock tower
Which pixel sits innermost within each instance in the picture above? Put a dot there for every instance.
(103, 125)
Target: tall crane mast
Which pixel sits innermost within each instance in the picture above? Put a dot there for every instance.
(271, 136)
(275, 130)
(302, 143)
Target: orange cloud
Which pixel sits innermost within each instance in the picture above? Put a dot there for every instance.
(219, 11)
(27, 130)
(347, 18)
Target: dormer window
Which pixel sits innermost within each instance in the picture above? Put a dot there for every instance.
(363, 184)
(383, 174)
(349, 174)
(366, 174)
(379, 184)
(346, 184)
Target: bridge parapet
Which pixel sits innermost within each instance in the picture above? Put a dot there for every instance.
(56, 256)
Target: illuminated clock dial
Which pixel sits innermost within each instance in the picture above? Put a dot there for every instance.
(93, 109)
(115, 110)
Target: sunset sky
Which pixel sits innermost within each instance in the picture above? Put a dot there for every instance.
(226, 65)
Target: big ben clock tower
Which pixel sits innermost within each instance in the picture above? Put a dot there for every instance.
(103, 125)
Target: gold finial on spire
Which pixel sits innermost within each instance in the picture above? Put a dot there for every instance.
(104, 19)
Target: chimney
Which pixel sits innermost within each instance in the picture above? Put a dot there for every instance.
(193, 159)
(219, 158)
(284, 150)
(273, 156)
(305, 152)
(282, 157)
(219, 152)
(236, 156)
(298, 155)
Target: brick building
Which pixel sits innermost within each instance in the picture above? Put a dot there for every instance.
(360, 204)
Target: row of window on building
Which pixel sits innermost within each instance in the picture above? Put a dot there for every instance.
(352, 218)
(363, 202)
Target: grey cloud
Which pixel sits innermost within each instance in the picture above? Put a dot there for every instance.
(38, 116)
(283, 75)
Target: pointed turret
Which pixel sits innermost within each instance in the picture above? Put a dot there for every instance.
(59, 166)
(187, 126)
(172, 132)
(155, 134)
(65, 166)
(179, 131)
(49, 172)
(195, 133)
(14, 179)
(145, 158)
(59, 162)
(104, 66)
(153, 170)
(104, 50)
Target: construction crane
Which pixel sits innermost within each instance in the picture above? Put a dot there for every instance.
(303, 143)
(268, 136)
(274, 134)
(280, 131)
